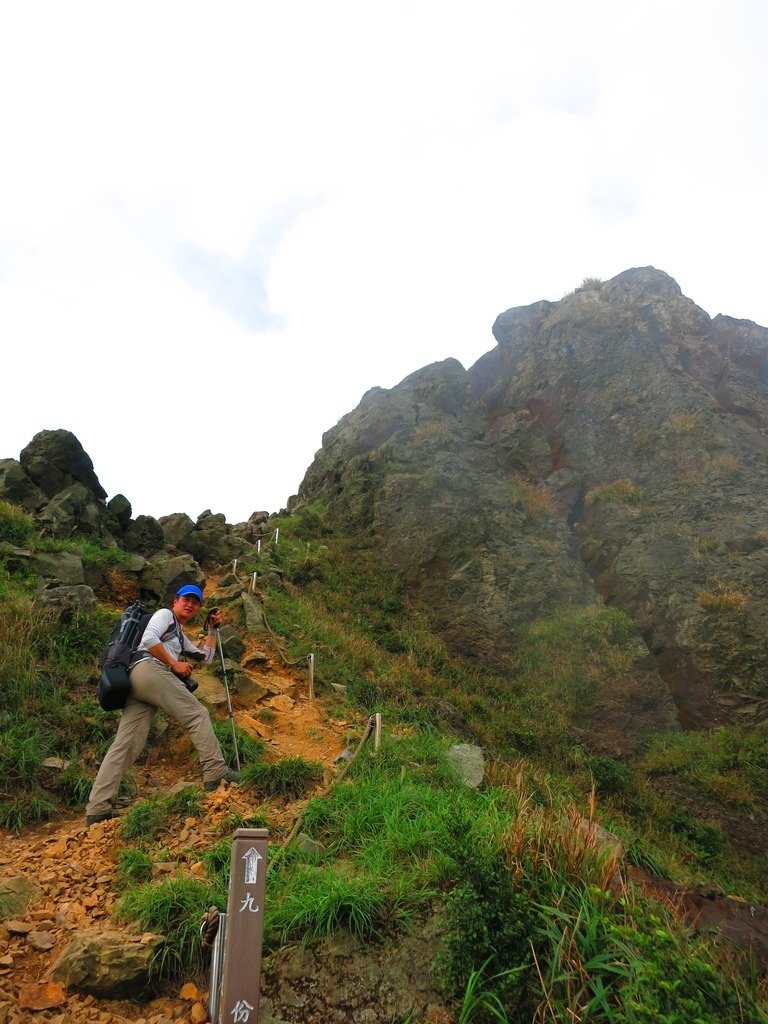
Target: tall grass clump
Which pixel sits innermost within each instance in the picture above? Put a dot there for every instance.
(620, 492)
(250, 750)
(315, 903)
(291, 777)
(17, 526)
(173, 908)
(147, 819)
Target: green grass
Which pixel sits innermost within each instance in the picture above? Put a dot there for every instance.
(173, 908)
(251, 750)
(133, 866)
(17, 527)
(532, 926)
(148, 819)
(25, 809)
(291, 777)
(316, 902)
(728, 762)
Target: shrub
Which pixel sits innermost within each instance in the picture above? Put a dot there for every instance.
(489, 925)
(593, 284)
(707, 839)
(610, 775)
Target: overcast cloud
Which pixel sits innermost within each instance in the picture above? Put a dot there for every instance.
(221, 224)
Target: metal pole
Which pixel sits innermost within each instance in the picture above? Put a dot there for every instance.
(277, 534)
(311, 660)
(229, 702)
(234, 566)
(217, 958)
(377, 731)
(258, 546)
(253, 583)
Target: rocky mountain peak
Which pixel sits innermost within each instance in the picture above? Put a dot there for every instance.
(611, 448)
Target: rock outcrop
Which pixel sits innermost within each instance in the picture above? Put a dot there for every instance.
(611, 447)
(55, 481)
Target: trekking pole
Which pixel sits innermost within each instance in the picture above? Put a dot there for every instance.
(229, 702)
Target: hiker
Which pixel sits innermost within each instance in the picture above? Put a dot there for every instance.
(159, 679)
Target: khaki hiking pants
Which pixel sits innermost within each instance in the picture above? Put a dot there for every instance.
(153, 685)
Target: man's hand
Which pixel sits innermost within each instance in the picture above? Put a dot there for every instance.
(182, 669)
(214, 619)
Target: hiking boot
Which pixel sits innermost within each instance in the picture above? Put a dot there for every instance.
(94, 819)
(231, 776)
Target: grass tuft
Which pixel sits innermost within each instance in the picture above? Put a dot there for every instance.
(291, 777)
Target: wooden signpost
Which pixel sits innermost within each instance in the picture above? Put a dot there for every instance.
(241, 966)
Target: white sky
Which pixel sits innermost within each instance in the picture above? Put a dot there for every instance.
(253, 212)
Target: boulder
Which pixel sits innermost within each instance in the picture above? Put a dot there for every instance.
(216, 542)
(16, 895)
(255, 528)
(250, 688)
(120, 510)
(468, 762)
(256, 659)
(253, 614)
(231, 643)
(177, 528)
(144, 536)
(17, 487)
(78, 598)
(65, 567)
(107, 964)
(55, 459)
(15, 559)
(164, 574)
(72, 512)
(342, 980)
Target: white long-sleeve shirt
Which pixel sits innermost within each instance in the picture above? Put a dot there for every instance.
(163, 628)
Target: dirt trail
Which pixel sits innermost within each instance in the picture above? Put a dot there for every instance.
(75, 866)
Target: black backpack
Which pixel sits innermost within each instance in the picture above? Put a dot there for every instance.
(114, 684)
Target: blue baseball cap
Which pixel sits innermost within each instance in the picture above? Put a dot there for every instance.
(190, 590)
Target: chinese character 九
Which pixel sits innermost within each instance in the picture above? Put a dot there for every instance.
(248, 904)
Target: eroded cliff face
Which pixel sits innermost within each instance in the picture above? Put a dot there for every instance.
(612, 447)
